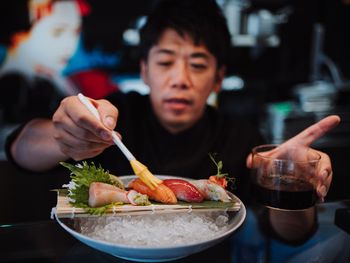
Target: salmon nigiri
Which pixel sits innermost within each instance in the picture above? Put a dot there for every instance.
(161, 194)
(102, 194)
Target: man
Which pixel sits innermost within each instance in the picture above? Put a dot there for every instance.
(172, 130)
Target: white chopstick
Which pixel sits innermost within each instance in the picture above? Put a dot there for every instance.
(115, 137)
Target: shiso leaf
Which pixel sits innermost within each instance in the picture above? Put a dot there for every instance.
(82, 176)
(98, 210)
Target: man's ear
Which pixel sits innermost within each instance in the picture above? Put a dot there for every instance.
(143, 66)
(220, 75)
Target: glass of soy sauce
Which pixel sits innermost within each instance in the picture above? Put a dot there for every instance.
(284, 178)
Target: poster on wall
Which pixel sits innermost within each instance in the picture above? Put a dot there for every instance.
(43, 57)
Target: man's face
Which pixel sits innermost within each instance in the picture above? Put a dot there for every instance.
(181, 76)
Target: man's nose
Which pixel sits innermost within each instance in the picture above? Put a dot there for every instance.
(181, 76)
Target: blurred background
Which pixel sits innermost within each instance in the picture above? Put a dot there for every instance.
(289, 63)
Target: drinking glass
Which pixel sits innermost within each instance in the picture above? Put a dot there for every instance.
(284, 178)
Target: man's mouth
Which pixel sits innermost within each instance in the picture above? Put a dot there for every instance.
(177, 104)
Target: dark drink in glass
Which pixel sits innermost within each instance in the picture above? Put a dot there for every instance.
(284, 178)
(285, 193)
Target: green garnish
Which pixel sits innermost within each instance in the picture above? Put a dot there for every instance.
(81, 177)
(219, 165)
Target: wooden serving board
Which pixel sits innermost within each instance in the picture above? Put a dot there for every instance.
(64, 209)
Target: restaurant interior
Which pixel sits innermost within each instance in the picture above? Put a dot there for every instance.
(289, 66)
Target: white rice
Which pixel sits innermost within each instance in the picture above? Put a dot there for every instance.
(155, 230)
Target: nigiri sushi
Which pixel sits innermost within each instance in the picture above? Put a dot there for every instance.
(211, 191)
(184, 190)
(161, 194)
(102, 194)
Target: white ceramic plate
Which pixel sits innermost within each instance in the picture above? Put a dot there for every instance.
(156, 254)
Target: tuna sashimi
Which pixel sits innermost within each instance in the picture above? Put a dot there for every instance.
(184, 190)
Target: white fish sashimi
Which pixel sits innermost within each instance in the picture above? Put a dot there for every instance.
(211, 191)
(103, 194)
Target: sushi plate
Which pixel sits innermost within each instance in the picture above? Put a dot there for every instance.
(141, 253)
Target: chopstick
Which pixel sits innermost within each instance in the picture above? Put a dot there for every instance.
(139, 169)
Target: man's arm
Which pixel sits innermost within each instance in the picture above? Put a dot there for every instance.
(35, 148)
(73, 133)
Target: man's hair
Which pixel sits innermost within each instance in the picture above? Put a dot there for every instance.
(202, 20)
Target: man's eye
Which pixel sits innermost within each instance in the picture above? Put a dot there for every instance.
(164, 63)
(198, 66)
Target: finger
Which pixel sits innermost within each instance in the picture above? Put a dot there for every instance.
(312, 133)
(324, 175)
(249, 160)
(108, 113)
(84, 119)
(77, 154)
(68, 134)
(323, 189)
(74, 146)
(82, 144)
(263, 153)
(325, 167)
(66, 128)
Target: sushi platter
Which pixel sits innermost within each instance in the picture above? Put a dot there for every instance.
(65, 209)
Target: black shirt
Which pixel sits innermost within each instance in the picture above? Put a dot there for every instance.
(184, 154)
(24, 98)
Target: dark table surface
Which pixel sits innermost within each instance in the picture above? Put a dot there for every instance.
(28, 234)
